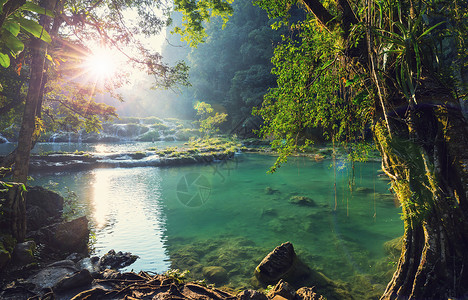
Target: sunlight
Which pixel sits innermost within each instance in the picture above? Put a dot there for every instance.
(101, 63)
(101, 199)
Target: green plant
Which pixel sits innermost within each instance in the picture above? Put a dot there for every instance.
(177, 275)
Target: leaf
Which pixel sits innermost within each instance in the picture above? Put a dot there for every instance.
(36, 8)
(430, 29)
(12, 27)
(35, 29)
(4, 60)
(13, 43)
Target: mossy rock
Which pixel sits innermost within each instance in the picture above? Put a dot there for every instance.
(302, 200)
(215, 274)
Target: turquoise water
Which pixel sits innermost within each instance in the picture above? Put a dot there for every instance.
(231, 214)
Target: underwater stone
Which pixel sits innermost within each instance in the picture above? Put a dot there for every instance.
(302, 200)
(215, 274)
(276, 264)
(270, 191)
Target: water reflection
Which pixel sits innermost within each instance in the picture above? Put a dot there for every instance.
(127, 215)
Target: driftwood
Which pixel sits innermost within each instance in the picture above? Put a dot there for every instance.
(146, 286)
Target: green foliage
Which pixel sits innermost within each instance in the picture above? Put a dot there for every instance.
(196, 13)
(315, 89)
(149, 136)
(11, 44)
(209, 119)
(177, 275)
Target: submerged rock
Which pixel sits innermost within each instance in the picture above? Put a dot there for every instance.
(215, 274)
(394, 247)
(302, 200)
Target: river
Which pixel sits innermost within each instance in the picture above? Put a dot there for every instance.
(232, 213)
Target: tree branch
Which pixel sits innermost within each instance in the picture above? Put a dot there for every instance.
(321, 13)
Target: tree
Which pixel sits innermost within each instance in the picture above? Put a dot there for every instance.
(392, 67)
(72, 26)
(209, 119)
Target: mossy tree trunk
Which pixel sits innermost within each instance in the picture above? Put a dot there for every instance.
(32, 107)
(427, 159)
(13, 210)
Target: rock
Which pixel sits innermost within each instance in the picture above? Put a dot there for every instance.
(302, 200)
(23, 253)
(276, 264)
(51, 275)
(112, 260)
(270, 191)
(307, 293)
(74, 280)
(215, 274)
(282, 289)
(251, 295)
(269, 212)
(76, 257)
(48, 201)
(89, 263)
(37, 218)
(69, 237)
(394, 247)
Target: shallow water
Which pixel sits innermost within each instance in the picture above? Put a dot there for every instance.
(231, 214)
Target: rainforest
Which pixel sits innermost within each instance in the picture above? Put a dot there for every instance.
(233, 149)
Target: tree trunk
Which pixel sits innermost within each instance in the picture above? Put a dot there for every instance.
(427, 160)
(13, 210)
(28, 126)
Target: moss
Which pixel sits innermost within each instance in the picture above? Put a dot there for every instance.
(149, 136)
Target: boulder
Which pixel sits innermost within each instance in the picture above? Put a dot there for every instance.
(75, 280)
(68, 237)
(52, 274)
(23, 253)
(112, 260)
(43, 207)
(302, 200)
(251, 295)
(215, 274)
(276, 264)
